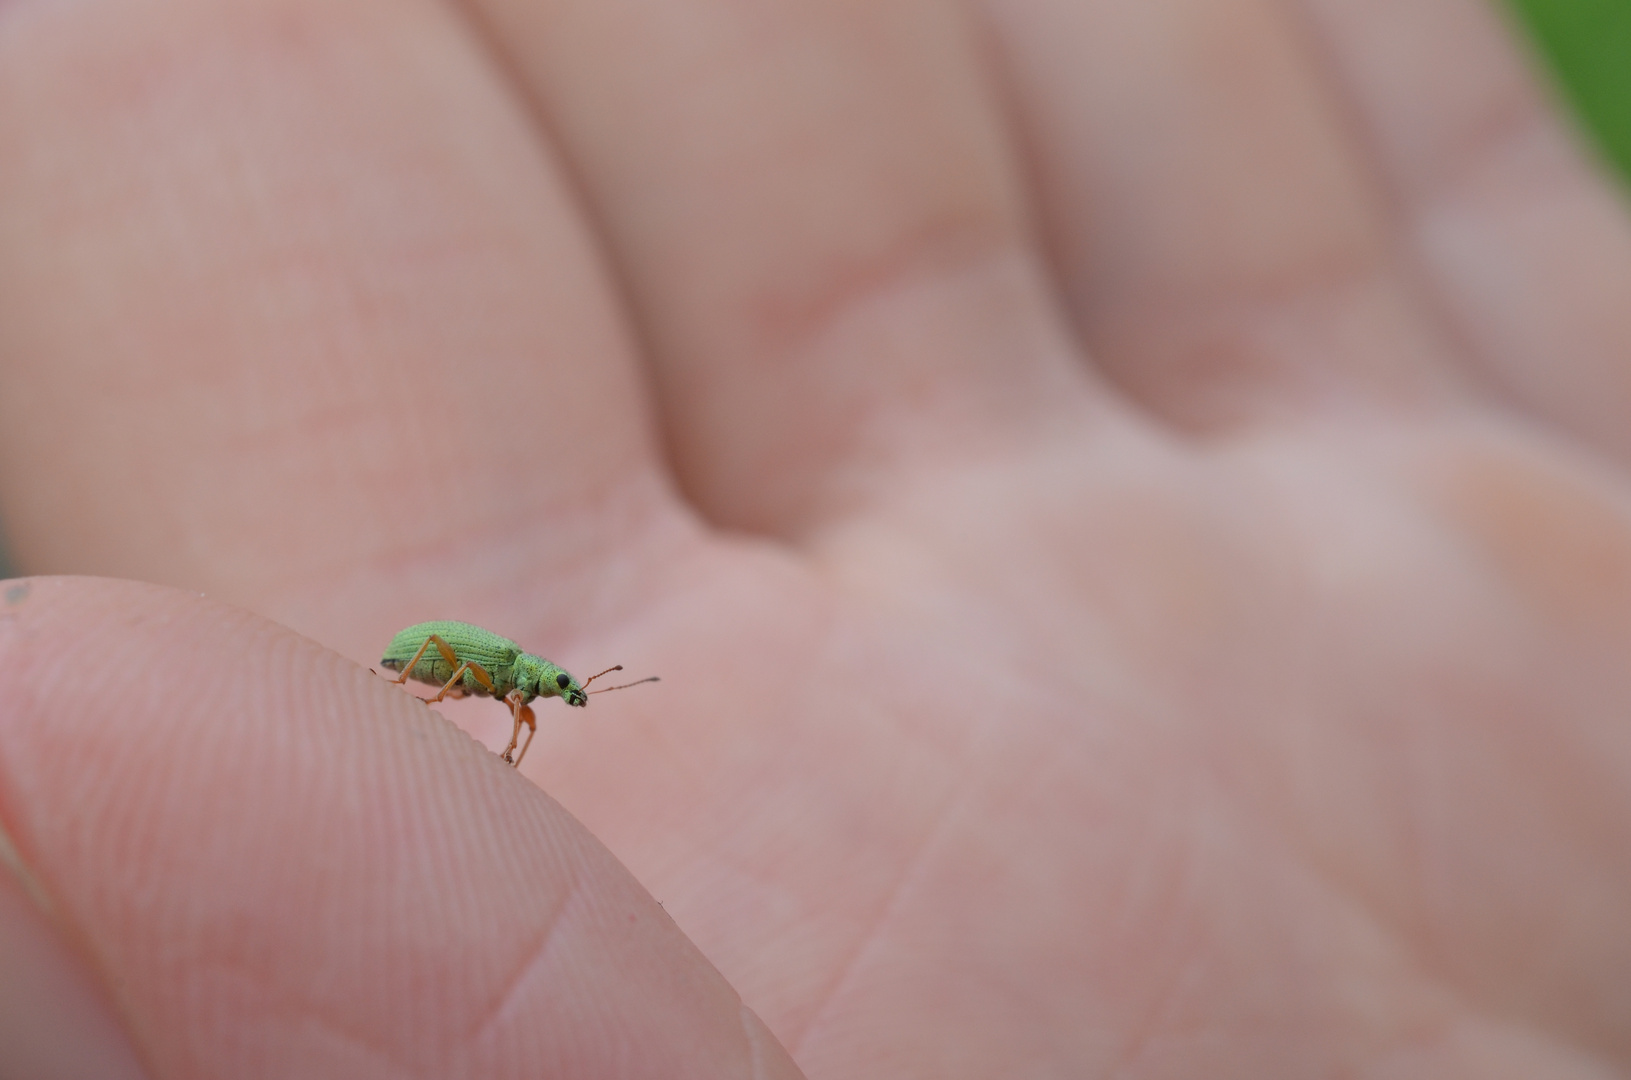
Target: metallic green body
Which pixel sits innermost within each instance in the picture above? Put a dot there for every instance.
(502, 659)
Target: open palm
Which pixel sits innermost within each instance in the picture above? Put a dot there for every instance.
(1128, 503)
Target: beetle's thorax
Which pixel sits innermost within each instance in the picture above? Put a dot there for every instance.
(538, 677)
(528, 672)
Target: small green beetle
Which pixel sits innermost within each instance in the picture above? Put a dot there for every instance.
(469, 660)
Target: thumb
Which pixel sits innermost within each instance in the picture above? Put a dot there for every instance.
(234, 853)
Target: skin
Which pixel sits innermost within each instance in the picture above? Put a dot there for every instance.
(1130, 503)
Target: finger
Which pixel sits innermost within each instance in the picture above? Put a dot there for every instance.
(1526, 248)
(56, 1023)
(294, 303)
(275, 864)
(1220, 246)
(822, 232)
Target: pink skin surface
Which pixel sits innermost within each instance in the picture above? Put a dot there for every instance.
(1130, 504)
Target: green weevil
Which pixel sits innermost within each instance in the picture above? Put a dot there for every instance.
(469, 660)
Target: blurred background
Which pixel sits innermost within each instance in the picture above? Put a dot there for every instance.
(1585, 44)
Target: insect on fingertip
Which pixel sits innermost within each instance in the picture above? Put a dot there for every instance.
(462, 659)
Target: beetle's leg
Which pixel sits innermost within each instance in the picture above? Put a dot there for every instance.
(523, 715)
(408, 670)
(515, 732)
(452, 659)
(458, 673)
(516, 703)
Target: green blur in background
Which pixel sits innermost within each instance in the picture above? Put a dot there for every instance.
(1586, 44)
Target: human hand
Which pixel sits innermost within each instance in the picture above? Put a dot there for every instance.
(1127, 502)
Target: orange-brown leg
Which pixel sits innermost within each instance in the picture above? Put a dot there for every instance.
(440, 644)
(513, 700)
(453, 661)
(523, 715)
(532, 729)
(458, 673)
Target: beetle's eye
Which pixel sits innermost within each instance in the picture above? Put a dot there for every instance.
(562, 681)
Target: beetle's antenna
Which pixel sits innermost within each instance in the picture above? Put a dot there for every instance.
(625, 686)
(608, 671)
(598, 674)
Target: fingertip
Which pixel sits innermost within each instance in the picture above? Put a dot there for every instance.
(280, 858)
